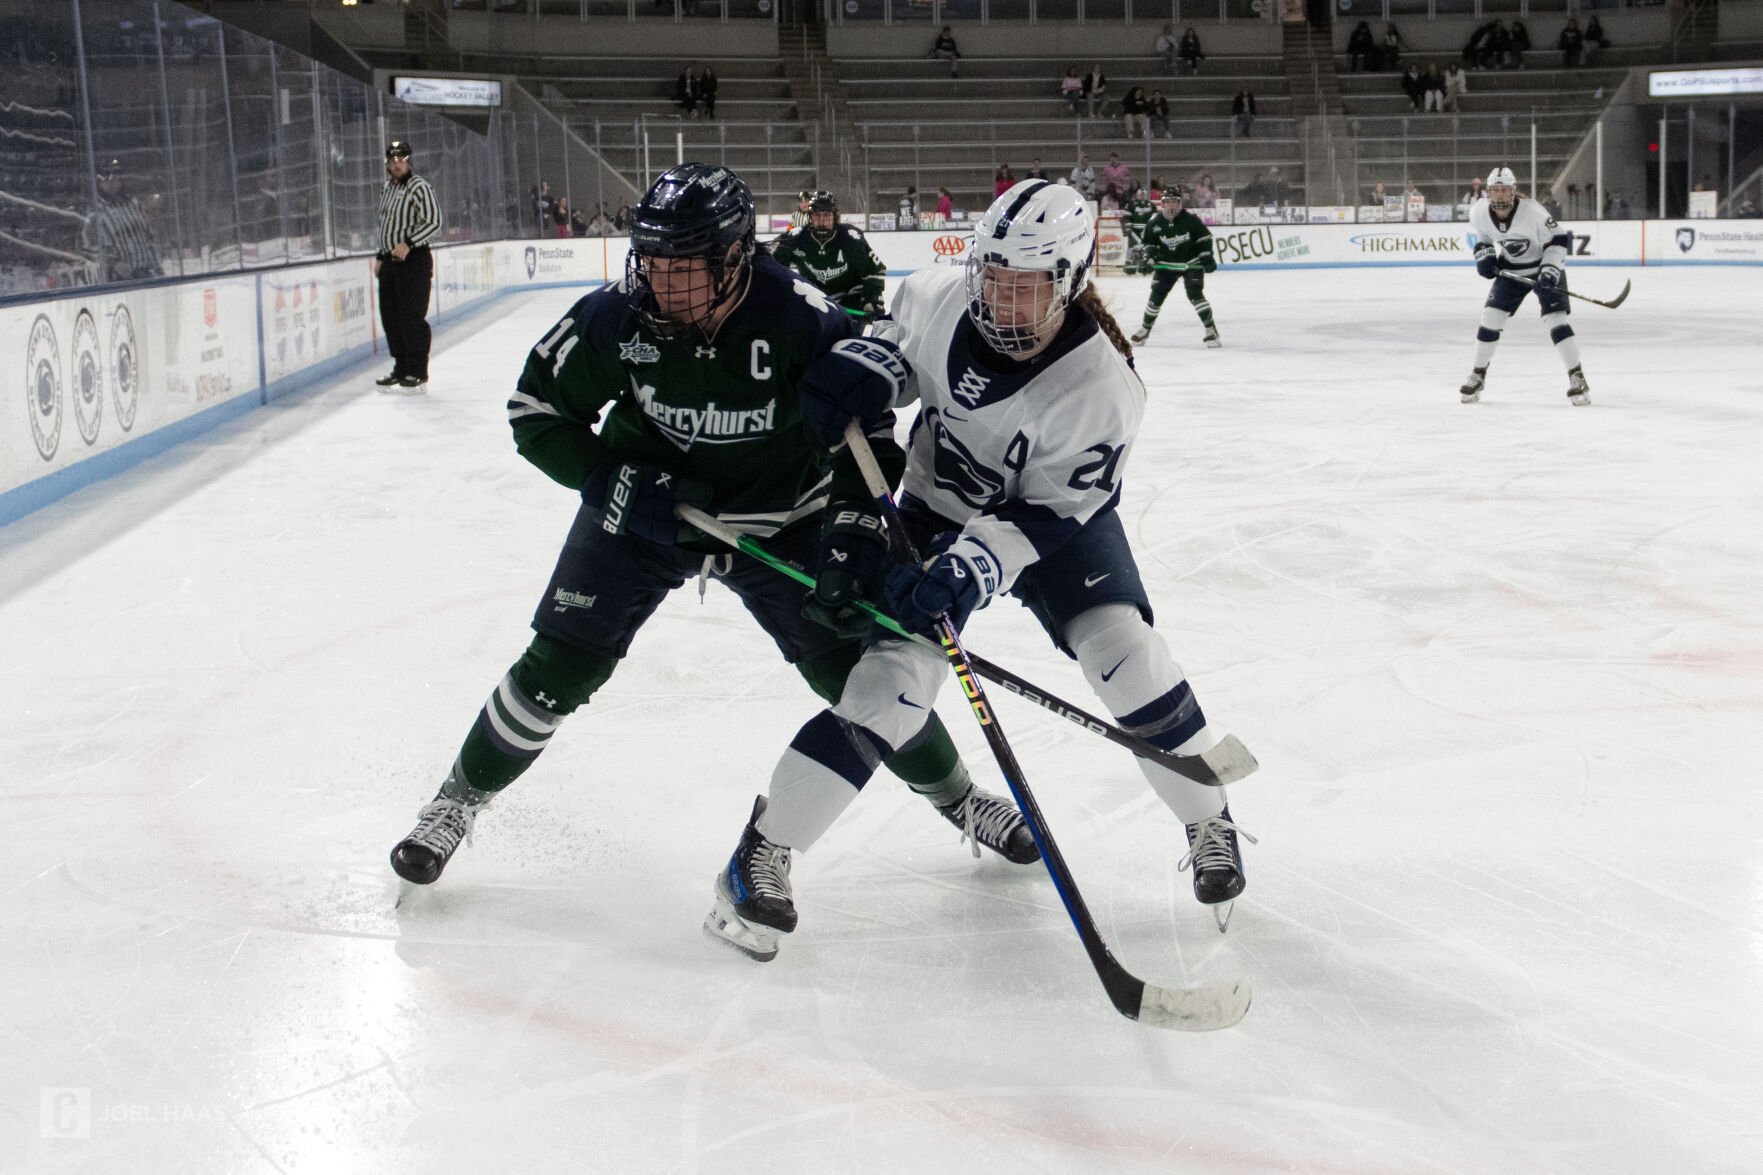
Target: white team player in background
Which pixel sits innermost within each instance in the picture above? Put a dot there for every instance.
(1029, 408)
(1517, 238)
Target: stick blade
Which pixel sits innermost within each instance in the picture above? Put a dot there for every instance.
(1230, 760)
(1617, 300)
(1195, 1009)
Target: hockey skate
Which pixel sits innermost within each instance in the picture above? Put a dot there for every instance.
(994, 822)
(1217, 863)
(1211, 338)
(389, 380)
(1140, 335)
(751, 896)
(441, 826)
(1578, 391)
(1470, 392)
(412, 385)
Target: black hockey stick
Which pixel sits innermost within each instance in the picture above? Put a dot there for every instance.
(1612, 304)
(1191, 1009)
(1225, 763)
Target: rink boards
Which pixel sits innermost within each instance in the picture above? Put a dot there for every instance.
(97, 381)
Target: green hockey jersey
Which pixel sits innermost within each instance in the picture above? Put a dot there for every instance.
(722, 411)
(1180, 240)
(845, 265)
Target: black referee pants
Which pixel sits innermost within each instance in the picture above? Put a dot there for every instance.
(404, 307)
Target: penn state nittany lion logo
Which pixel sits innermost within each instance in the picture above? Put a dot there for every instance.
(957, 470)
(1686, 239)
(532, 261)
(42, 384)
(88, 378)
(125, 367)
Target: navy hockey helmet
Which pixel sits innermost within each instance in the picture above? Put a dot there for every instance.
(692, 240)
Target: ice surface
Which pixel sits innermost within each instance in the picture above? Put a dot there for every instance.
(1502, 665)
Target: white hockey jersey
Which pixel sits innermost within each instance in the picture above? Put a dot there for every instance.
(1021, 459)
(1526, 240)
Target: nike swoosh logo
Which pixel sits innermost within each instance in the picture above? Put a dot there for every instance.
(1117, 665)
(905, 701)
(1093, 580)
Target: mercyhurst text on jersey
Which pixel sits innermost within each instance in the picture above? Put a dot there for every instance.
(722, 411)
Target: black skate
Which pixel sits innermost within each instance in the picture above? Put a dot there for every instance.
(1211, 339)
(1470, 392)
(390, 380)
(752, 905)
(994, 822)
(1578, 391)
(440, 827)
(1217, 863)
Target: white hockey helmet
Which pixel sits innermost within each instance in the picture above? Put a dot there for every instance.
(1036, 227)
(1502, 177)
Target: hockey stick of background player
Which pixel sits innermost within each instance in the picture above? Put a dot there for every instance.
(1192, 1009)
(1612, 304)
(1226, 763)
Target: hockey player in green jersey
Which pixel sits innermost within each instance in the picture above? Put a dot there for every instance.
(1178, 244)
(835, 257)
(699, 360)
(1138, 214)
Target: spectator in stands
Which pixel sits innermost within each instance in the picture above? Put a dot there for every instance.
(1432, 89)
(1165, 46)
(1520, 45)
(1035, 171)
(1242, 109)
(546, 206)
(1474, 193)
(601, 225)
(1551, 205)
(578, 224)
(1377, 196)
(1071, 88)
(1389, 54)
(1205, 193)
(685, 92)
(1412, 85)
(621, 220)
(1190, 50)
(1096, 90)
(1499, 44)
(1083, 178)
(707, 91)
(945, 204)
(1116, 180)
(1571, 42)
(909, 208)
(1476, 53)
(1456, 85)
(944, 48)
(1361, 47)
(1157, 108)
(1003, 180)
(1594, 38)
(1134, 111)
(1413, 201)
(1748, 211)
(117, 232)
(560, 218)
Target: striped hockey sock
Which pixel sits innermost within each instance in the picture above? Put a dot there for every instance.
(510, 732)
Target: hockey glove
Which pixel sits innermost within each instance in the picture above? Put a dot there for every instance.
(639, 500)
(858, 379)
(1487, 261)
(1208, 263)
(959, 576)
(1549, 278)
(853, 567)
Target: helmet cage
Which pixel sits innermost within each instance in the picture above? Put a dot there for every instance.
(692, 213)
(1035, 227)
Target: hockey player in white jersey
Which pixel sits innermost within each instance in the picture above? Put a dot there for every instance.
(1517, 238)
(1029, 409)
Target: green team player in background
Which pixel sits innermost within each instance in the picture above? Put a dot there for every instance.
(1178, 244)
(1134, 218)
(700, 359)
(835, 257)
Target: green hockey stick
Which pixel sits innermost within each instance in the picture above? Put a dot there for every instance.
(1225, 763)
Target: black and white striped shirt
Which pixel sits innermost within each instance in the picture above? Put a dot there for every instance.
(408, 213)
(119, 234)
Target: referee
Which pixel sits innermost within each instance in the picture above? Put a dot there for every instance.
(117, 232)
(409, 220)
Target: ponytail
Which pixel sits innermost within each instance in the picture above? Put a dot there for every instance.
(1091, 299)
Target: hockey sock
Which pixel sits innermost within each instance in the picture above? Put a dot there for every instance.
(1561, 334)
(546, 685)
(1129, 666)
(1487, 337)
(931, 766)
(1151, 313)
(927, 759)
(820, 773)
(1201, 306)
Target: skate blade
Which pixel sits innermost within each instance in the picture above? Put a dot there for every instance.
(723, 925)
(1579, 400)
(1221, 914)
(1214, 343)
(408, 892)
(1471, 397)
